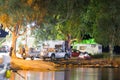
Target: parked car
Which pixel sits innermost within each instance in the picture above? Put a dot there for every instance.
(75, 53)
(58, 54)
(4, 48)
(4, 53)
(31, 54)
(85, 56)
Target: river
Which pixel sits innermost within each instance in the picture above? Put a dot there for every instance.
(70, 74)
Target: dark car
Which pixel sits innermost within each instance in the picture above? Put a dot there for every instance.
(75, 53)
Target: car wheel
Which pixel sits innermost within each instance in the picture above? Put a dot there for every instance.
(32, 58)
(85, 52)
(66, 57)
(24, 57)
(44, 58)
(53, 57)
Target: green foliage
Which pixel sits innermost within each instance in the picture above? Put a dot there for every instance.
(64, 18)
(23, 11)
(101, 21)
(107, 23)
(96, 56)
(47, 32)
(103, 55)
(98, 18)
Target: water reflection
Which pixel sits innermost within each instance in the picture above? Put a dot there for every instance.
(87, 74)
(70, 74)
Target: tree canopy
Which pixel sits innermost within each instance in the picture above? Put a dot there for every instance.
(64, 18)
(102, 20)
(57, 18)
(15, 15)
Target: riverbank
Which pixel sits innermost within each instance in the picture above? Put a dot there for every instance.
(93, 63)
(40, 65)
(36, 65)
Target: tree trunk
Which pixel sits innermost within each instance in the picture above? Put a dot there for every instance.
(69, 40)
(111, 47)
(68, 43)
(14, 39)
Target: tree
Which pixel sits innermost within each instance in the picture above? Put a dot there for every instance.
(16, 14)
(102, 19)
(108, 24)
(64, 16)
(46, 31)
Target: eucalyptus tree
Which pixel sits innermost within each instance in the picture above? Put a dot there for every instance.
(46, 31)
(69, 18)
(16, 14)
(64, 16)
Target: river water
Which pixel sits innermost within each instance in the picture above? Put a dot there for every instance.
(70, 74)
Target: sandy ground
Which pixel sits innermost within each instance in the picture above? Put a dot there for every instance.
(38, 65)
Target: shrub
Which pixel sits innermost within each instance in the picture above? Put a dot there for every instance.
(97, 56)
(103, 55)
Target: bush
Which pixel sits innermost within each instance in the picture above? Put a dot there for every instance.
(97, 56)
(106, 55)
(103, 55)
